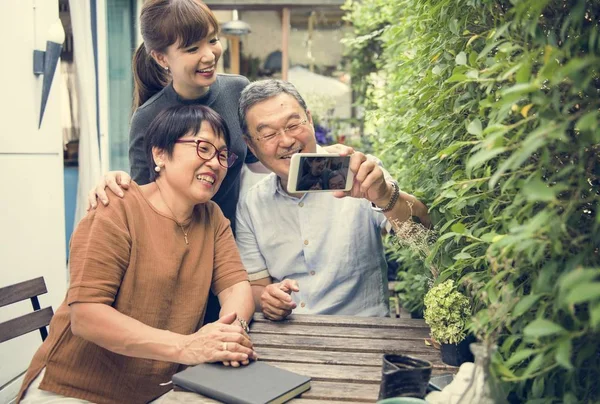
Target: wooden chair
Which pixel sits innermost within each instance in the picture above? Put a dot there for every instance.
(38, 320)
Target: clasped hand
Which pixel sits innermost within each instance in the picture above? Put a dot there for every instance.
(221, 341)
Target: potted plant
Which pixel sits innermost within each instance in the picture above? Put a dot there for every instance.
(446, 312)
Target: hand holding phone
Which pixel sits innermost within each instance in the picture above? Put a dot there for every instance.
(316, 172)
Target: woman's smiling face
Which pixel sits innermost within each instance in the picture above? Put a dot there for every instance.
(194, 178)
(193, 67)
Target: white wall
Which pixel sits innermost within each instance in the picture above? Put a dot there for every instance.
(32, 239)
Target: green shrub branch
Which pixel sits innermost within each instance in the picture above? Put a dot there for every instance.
(488, 111)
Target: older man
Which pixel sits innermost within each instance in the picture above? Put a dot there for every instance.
(316, 253)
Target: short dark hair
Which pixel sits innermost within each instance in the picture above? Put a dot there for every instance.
(172, 123)
(263, 90)
(335, 173)
(307, 182)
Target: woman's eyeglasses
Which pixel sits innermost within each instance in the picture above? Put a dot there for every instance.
(206, 151)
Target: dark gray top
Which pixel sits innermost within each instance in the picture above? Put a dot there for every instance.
(223, 96)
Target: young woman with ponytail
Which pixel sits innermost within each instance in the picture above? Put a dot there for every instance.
(176, 64)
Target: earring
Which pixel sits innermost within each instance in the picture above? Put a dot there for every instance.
(167, 68)
(157, 168)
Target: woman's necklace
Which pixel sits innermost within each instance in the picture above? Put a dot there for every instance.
(185, 233)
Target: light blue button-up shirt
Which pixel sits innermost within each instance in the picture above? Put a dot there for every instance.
(331, 246)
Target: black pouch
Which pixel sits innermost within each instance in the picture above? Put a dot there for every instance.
(404, 376)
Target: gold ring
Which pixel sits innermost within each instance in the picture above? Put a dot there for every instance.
(224, 346)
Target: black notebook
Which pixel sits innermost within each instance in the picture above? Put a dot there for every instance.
(257, 383)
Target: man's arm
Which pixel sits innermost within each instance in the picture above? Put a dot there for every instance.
(405, 206)
(370, 183)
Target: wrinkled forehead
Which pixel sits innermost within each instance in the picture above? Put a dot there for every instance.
(277, 107)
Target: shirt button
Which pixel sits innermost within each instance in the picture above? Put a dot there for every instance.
(301, 204)
(312, 272)
(302, 304)
(305, 242)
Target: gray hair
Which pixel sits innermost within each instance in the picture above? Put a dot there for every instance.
(263, 90)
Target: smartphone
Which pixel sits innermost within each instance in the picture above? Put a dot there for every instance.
(317, 172)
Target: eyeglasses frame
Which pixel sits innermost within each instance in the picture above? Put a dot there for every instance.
(231, 155)
(284, 130)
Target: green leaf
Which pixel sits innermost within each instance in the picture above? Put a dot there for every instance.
(473, 74)
(462, 256)
(474, 127)
(448, 151)
(576, 277)
(520, 89)
(504, 371)
(488, 237)
(456, 77)
(534, 365)
(563, 354)
(574, 66)
(525, 304)
(588, 122)
(461, 58)
(524, 73)
(536, 190)
(482, 156)
(595, 315)
(436, 70)
(542, 328)
(519, 356)
(458, 228)
(584, 293)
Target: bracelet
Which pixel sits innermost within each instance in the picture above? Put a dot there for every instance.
(392, 202)
(244, 325)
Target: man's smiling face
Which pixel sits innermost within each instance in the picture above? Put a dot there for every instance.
(271, 116)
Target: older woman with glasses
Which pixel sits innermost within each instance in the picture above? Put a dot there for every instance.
(141, 269)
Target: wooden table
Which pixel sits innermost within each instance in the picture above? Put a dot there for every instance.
(341, 354)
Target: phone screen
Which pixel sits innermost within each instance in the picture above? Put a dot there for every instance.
(322, 173)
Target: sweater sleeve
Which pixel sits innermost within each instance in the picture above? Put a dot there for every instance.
(137, 153)
(228, 267)
(100, 253)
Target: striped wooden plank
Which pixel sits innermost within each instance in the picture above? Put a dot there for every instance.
(339, 358)
(341, 344)
(345, 321)
(406, 333)
(349, 374)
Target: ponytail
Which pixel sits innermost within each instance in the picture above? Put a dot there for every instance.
(148, 77)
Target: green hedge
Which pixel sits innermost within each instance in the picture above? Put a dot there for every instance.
(489, 112)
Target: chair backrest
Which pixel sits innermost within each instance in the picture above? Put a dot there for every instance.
(38, 320)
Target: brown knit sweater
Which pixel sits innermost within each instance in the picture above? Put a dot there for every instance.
(134, 258)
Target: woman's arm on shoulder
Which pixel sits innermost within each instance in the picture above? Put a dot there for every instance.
(116, 181)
